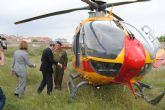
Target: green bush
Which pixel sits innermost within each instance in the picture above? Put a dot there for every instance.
(34, 40)
(9, 52)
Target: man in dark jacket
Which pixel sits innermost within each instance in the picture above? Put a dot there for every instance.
(2, 99)
(46, 68)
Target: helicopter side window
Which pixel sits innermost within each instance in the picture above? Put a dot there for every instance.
(76, 48)
(74, 45)
(81, 41)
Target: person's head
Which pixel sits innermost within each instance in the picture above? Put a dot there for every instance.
(58, 45)
(52, 45)
(3, 44)
(23, 45)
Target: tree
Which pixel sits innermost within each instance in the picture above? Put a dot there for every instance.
(162, 38)
(34, 40)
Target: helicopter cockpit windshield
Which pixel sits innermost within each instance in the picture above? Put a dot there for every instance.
(102, 39)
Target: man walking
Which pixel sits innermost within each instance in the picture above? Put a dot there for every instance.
(46, 68)
(60, 55)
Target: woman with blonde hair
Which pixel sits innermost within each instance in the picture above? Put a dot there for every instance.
(20, 60)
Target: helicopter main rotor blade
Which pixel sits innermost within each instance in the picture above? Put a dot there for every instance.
(52, 14)
(91, 3)
(116, 16)
(121, 3)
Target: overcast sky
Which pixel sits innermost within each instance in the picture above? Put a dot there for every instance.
(63, 26)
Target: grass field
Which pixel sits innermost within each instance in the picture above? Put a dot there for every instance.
(114, 97)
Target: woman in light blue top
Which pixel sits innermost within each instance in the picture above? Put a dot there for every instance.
(20, 60)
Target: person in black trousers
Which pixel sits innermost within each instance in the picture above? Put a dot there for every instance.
(2, 99)
(46, 68)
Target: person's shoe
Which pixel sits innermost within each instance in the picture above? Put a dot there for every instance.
(38, 91)
(20, 96)
(49, 93)
(16, 94)
(58, 88)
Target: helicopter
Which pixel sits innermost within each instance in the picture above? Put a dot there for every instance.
(107, 50)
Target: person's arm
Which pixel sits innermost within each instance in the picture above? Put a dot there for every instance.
(65, 59)
(13, 63)
(26, 59)
(12, 66)
(51, 59)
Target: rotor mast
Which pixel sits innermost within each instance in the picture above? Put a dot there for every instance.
(96, 14)
(95, 6)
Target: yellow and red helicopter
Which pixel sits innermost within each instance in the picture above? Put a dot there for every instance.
(108, 50)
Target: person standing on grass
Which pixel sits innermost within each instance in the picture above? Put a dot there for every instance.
(2, 99)
(20, 60)
(61, 56)
(46, 69)
(3, 46)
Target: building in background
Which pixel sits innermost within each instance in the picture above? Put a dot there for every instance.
(35, 41)
(65, 43)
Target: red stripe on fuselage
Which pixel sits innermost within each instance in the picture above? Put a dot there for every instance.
(134, 59)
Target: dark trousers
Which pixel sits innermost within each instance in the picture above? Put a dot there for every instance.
(47, 80)
(58, 77)
(2, 99)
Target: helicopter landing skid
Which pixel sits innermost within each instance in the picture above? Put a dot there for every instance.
(141, 93)
(72, 88)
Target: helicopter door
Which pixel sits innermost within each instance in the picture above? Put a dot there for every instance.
(76, 49)
(82, 43)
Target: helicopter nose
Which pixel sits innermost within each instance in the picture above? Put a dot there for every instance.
(134, 59)
(134, 55)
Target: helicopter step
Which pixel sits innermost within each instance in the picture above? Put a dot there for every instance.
(141, 93)
(72, 88)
